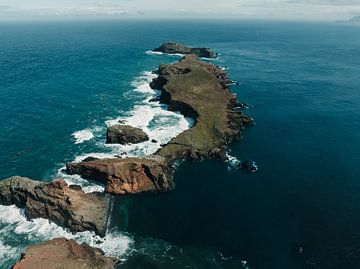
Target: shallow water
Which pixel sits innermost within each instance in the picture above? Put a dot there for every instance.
(63, 82)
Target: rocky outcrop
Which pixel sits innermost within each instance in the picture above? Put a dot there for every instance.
(62, 253)
(65, 205)
(173, 48)
(125, 134)
(129, 175)
(200, 90)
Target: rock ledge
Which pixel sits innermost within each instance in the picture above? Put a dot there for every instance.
(65, 205)
(62, 253)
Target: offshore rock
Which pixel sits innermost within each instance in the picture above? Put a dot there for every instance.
(128, 175)
(173, 48)
(68, 206)
(62, 253)
(125, 134)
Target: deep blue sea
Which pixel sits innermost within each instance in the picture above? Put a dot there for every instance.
(62, 83)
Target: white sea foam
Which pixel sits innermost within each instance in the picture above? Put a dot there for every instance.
(87, 185)
(150, 52)
(153, 118)
(160, 124)
(17, 232)
(233, 162)
(82, 136)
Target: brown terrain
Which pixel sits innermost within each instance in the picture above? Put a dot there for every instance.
(65, 205)
(62, 253)
(197, 89)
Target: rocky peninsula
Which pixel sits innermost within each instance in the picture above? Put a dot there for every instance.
(62, 253)
(196, 89)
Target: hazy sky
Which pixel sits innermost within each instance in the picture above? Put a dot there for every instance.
(256, 9)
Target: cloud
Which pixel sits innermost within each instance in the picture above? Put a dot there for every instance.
(263, 9)
(326, 2)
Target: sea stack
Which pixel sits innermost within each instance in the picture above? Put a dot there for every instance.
(125, 134)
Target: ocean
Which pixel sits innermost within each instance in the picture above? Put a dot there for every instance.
(63, 82)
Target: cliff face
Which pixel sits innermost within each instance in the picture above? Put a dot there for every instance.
(65, 205)
(199, 90)
(129, 175)
(62, 253)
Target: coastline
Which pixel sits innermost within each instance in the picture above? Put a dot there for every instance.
(187, 145)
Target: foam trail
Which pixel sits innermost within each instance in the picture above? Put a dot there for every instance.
(82, 136)
(150, 52)
(17, 233)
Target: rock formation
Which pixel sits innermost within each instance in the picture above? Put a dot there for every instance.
(127, 176)
(62, 253)
(125, 134)
(199, 90)
(65, 205)
(173, 48)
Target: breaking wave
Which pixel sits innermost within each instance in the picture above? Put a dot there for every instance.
(14, 225)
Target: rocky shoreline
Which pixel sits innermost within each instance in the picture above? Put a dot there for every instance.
(67, 206)
(65, 254)
(196, 89)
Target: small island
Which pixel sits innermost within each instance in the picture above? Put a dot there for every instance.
(196, 89)
(176, 48)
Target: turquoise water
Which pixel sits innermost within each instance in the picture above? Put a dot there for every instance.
(301, 210)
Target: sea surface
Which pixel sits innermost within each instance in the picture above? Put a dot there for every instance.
(63, 83)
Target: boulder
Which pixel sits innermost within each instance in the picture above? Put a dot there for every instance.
(68, 206)
(62, 253)
(125, 134)
(128, 175)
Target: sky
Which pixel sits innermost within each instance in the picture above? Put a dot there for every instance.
(213, 9)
